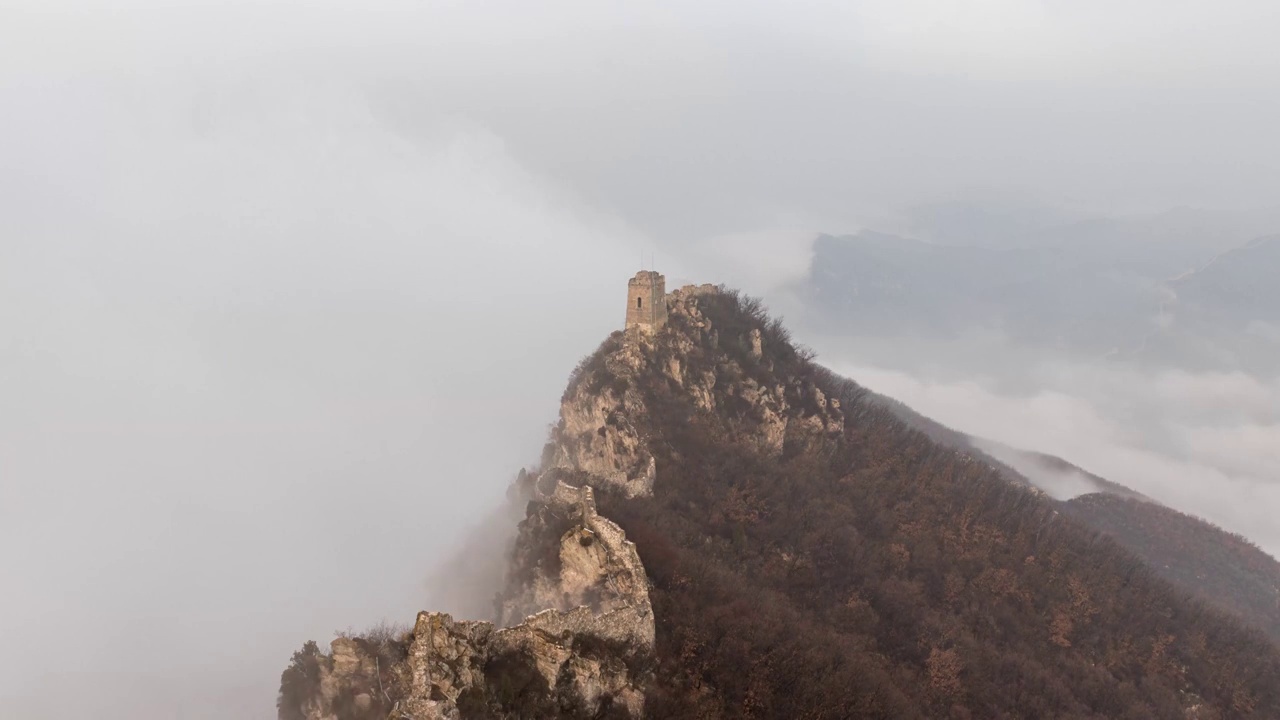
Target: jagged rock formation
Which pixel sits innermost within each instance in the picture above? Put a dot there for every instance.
(568, 556)
(574, 634)
(596, 434)
(584, 651)
(740, 377)
(582, 654)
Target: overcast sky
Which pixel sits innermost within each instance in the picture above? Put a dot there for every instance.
(289, 290)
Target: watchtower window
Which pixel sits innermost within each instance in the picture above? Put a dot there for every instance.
(639, 301)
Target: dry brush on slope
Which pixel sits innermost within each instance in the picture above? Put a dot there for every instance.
(812, 556)
(806, 554)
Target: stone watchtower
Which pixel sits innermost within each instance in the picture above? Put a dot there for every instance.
(647, 301)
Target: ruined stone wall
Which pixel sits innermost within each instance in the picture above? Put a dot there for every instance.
(585, 652)
(647, 301)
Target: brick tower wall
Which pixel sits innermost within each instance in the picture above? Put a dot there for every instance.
(647, 301)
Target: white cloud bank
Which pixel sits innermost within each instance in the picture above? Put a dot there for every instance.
(1204, 444)
(262, 362)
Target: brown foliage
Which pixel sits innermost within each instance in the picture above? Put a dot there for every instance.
(846, 575)
(1222, 569)
(944, 672)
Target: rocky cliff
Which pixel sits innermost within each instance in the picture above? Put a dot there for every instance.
(575, 638)
(573, 633)
(583, 654)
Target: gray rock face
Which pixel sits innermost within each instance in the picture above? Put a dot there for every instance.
(592, 566)
(598, 432)
(551, 665)
(585, 652)
(597, 435)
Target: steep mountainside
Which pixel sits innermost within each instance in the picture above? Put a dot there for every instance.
(1223, 570)
(805, 553)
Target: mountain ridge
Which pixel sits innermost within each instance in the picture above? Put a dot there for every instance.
(1185, 300)
(1222, 569)
(808, 553)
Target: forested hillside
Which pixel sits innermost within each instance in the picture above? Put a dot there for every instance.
(1221, 568)
(719, 527)
(862, 569)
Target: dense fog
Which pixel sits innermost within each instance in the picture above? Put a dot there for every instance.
(289, 291)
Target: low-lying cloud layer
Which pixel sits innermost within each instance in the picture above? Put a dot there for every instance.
(1207, 444)
(260, 374)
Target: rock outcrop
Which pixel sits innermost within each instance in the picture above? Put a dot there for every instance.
(554, 664)
(601, 413)
(584, 653)
(597, 433)
(573, 630)
(776, 411)
(568, 556)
